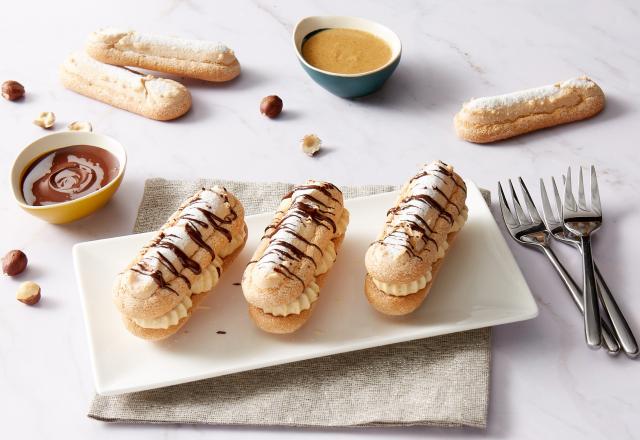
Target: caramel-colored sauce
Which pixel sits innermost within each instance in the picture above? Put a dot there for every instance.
(346, 51)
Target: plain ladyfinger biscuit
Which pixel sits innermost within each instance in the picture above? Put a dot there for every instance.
(499, 117)
(179, 56)
(155, 98)
(403, 262)
(158, 291)
(299, 247)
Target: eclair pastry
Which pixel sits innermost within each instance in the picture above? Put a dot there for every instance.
(499, 117)
(155, 98)
(282, 281)
(179, 56)
(157, 293)
(404, 261)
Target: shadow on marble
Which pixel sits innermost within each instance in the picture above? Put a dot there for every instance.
(295, 432)
(415, 85)
(325, 151)
(114, 219)
(249, 78)
(288, 115)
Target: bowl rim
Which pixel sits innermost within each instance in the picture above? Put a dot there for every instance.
(18, 171)
(391, 61)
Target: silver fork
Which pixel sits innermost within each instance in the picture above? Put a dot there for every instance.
(530, 230)
(582, 221)
(624, 335)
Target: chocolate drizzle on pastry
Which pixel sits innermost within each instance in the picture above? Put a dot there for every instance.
(406, 220)
(193, 227)
(304, 207)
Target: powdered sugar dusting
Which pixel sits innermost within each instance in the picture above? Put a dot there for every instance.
(118, 78)
(211, 200)
(538, 93)
(164, 46)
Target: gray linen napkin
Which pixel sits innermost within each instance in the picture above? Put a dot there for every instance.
(440, 381)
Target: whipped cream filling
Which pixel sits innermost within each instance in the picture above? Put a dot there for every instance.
(170, 318)
(328, 258)
(299, 305)
(404, 289)
(204, 282)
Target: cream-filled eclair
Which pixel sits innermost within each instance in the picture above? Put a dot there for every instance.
(157, 293)
(499, 117)
(404, 261)
(179, 56)
(282, 281)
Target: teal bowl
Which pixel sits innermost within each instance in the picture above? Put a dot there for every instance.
(342, 84)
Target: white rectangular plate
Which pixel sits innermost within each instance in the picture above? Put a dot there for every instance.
(479, 285)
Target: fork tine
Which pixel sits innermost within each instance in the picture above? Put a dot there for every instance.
(569, 200)
(549, 216)
(531, 207)
(582, 201)
(595, 192)
(556, 194)
(524, 219)
(507, 216)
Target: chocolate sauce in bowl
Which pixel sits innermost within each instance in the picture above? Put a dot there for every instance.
(68, 173)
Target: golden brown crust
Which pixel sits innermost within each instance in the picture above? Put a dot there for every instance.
(279, 324)
(155, 98)
(502, 122)
(190, 58)
(402, 305)
(157, 334)
(287, 257)
(290, 323)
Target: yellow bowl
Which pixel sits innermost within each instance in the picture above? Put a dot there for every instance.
(72, 210)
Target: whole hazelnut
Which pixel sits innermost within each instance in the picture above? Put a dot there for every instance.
(271, 106)
(28, 293)
(14, 262)
(12, 90)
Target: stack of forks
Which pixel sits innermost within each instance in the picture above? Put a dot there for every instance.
(574, 224)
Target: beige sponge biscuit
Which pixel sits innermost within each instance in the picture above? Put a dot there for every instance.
(155, 98)
(499, 117)
(403, 262)
(282, 281)
(159, 290)
(178, 56)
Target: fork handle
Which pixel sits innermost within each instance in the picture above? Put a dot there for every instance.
(591, 310)
(618, 321)
(576, 294)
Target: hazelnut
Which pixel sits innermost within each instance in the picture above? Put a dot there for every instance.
(310, 144)
(45, 120)
(12, 90)
(80, 126)
(28, 293)
(14, 262)
(271, 106)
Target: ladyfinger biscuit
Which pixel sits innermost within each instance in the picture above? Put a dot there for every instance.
(403, 262)
(499, 117)
(179, 56)
(146, 95)
(157, 293)
(283, 279)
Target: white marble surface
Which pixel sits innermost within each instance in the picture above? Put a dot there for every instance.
(545, 382)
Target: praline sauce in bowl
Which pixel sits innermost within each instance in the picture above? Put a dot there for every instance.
(68, 173)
